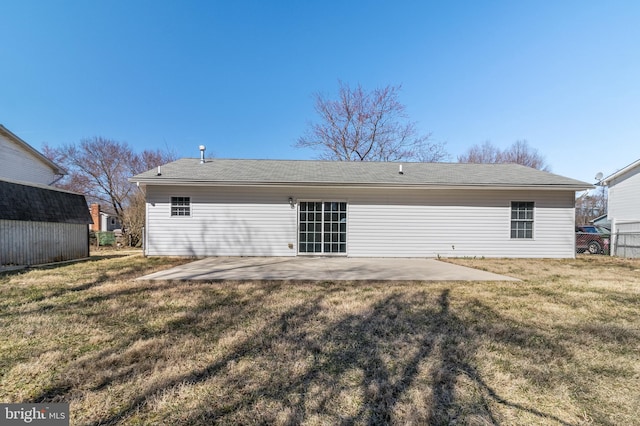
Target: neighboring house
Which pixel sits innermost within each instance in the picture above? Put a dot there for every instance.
(357, 209)
(601, 221)
(103, 221)
(38, 223)
(21, 162)
(624, 210)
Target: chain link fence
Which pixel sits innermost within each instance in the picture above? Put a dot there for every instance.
(587, 242)
(106, 239)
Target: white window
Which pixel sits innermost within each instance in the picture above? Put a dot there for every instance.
(180, 206)
(522, 219)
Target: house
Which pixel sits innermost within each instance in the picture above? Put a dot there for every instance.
(623, 210)
(38, 223)
(601, 221)
(103, 221)
(19, 161)
(359, 209)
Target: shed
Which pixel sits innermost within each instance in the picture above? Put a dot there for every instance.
(40, 224)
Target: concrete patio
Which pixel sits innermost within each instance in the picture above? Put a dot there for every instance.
(323, 269)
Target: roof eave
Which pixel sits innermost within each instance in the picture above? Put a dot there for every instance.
(56, 169)
(180, 182)
(606, 181)
(40, 185)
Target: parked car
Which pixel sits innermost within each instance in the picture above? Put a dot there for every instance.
(593, 239)
(604, 231)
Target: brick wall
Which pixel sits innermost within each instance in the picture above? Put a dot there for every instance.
(95, 215)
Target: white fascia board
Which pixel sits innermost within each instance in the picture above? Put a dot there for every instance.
(178, 182)
(40, 156)
(606, 181)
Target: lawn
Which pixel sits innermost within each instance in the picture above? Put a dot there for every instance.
(562, 347)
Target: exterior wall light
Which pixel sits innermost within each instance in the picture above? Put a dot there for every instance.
(291, 203)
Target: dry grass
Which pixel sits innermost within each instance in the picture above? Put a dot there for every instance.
(561, 347)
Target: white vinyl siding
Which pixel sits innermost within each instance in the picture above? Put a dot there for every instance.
(624, 197)
(223, 222)
(258, 221)
(455, 223)
(16, 163)
(624, 213)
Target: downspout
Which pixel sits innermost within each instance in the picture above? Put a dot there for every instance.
(146, 217)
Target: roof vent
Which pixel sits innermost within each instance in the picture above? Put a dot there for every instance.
(159, 173)
(400, 170)
(202, 149)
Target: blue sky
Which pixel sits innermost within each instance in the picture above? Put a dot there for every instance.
(239, 76)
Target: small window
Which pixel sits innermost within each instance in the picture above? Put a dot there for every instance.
(180, 206)
(522, 219)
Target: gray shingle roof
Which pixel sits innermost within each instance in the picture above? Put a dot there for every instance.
(38, 203)
(303, 172)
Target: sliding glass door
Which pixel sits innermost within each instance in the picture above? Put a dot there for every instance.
(322, 227)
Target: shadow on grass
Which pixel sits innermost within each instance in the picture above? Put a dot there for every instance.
(401, 352)
(51, 296)
(20, 269)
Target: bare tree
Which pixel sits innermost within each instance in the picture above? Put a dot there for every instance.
(485, 153)
(133, 217)
(520, 152)
(367, 126)
(99, 168)
(590, 205)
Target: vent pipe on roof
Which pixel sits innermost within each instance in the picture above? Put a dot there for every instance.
(159, 173)
(202, 149)
(400, 170)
